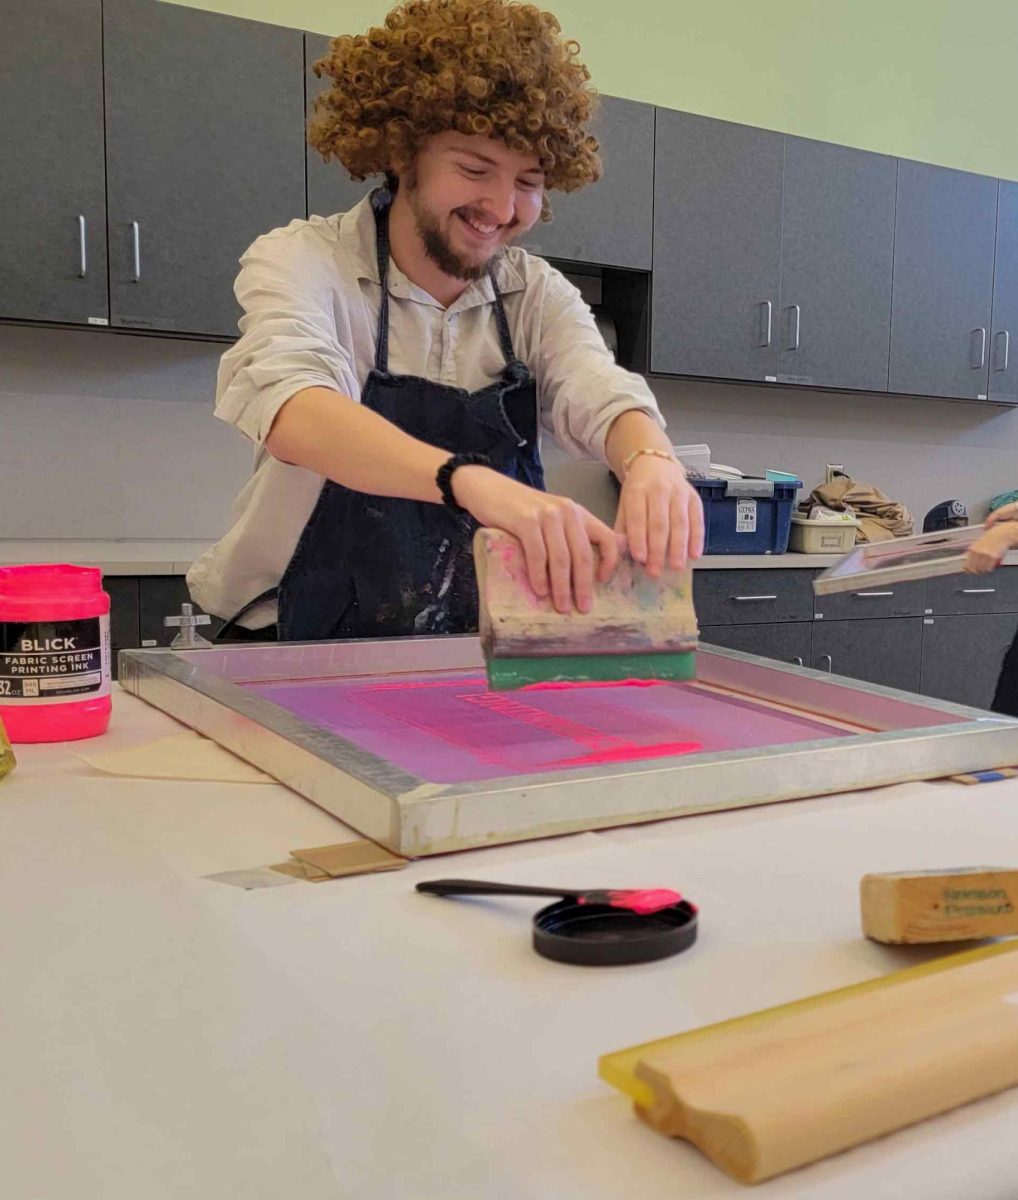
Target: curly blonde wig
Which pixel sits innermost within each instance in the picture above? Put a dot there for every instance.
(484, 67)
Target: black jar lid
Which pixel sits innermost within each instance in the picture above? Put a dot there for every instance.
(602, 935)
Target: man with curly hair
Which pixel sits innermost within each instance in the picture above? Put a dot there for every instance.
(397, 362)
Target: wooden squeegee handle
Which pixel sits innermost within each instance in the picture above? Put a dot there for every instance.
(477, 887)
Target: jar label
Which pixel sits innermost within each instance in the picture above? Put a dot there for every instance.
(54, 662)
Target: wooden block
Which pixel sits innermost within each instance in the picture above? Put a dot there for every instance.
(347, 858)
(631, 613)
(766, 1093)
(940, 906)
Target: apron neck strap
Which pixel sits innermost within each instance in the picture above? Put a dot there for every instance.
(502, 321)
(381, 198)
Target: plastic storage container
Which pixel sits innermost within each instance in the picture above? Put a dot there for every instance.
(746, 516)
(54, 653)
(823, 535)
(695, 458)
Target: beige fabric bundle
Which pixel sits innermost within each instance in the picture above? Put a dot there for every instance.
(880, 518)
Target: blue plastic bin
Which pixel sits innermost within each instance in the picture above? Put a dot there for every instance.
(746, 516)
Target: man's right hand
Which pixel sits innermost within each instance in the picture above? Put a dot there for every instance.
(556, 533)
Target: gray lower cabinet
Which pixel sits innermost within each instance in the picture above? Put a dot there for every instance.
(52, 174)
(949, 595)
(884, 651)
(330, 188)
(138, 607)
(883, 600)
(788, 641)
(1003, 352)
(752, 596)
(943, 281)
(954, 652)
(123, 594)
(161, 596)
(837, 251)
(205, 151)
(609, 223)
(717, 248)
(962, 656)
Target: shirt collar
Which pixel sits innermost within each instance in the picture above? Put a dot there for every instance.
(357, 239)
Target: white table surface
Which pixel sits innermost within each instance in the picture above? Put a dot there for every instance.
(165, 1037)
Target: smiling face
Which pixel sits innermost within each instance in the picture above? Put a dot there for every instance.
(471, 196)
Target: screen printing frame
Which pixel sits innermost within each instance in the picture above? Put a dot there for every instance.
(914, 738)
(924, 556)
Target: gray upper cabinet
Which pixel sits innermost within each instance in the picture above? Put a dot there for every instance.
(837, 251)
(1003, 352)
(52, 177)
(943, 281)
(609, 223)
(330, 188)
(717, 248)
(205, 144)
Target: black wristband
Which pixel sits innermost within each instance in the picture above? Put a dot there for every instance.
(445, 474)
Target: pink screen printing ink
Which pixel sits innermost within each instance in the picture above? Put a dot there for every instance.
(54, 653)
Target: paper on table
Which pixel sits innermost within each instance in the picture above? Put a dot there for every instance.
(189, 756)
(253, 878)
(185, 755)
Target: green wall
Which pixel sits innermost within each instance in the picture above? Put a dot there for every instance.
(935, 80)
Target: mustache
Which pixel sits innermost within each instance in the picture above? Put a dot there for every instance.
(483, 218)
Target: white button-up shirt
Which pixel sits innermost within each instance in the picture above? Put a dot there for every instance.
(310, 295)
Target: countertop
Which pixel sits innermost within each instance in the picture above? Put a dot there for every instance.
(174, 558)
(113, 557)
(168, 1036)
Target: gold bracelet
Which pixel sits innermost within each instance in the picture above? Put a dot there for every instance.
(631, 458)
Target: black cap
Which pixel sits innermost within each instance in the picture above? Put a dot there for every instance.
(599, 935)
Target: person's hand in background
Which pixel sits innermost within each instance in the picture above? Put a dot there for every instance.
(987, 552)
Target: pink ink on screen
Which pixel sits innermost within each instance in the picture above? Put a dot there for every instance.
(453, 730)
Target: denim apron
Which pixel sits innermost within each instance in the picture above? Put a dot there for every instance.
(378, 566)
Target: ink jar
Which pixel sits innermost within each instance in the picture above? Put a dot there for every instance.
(54, 653)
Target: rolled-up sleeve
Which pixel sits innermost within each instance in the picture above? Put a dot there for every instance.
(581, 387)
(288, 341)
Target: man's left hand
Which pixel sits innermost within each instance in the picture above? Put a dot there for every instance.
(659, 515)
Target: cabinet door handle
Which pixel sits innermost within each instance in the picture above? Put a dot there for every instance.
(766, 309)
(1000, 359)
(977, 361)
(797, 660)
(82, 247)
(978, 591)
(793, 327)
(744, 599)
(868, 595)
(136, 247)
(830, 663)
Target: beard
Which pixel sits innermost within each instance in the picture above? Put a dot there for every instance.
(441, 253)
(438, 247)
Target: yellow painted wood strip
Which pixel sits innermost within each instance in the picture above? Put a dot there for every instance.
(619, 1067)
